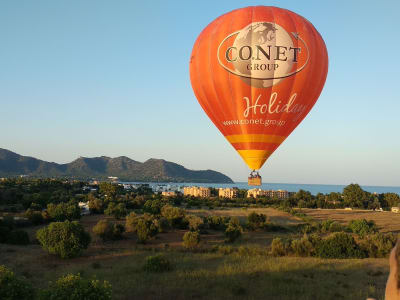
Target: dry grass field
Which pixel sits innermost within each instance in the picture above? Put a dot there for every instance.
(386, 221)
(207, 275)
(275, 216)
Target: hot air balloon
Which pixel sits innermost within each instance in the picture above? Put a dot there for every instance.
(257, 72)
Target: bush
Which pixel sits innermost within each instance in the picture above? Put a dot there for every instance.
(191, 240)
(233, 231)
(195, 222)
(339, 245)
(64, 211)
(18, 237)
(65, 239)
(162, 224)
(108, 230)
(217, 222)
(130, 222)
(74, 287)
(278, 248)
(118, 211)
(256, 221)
(157, 263)
(12, 287)
(303, 246)
(175, 216)
(336, 227)
(362, 227)
(145, 229)
(145, 226)
(96, 205)
(379, 244)
(153, 206)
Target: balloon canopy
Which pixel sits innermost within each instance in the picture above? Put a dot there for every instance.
(257, 72)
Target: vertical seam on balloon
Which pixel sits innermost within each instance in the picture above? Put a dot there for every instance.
(295, 76)
(232, 102)
(210, 42)
(251, 79)
(205, 100)
(312, 71)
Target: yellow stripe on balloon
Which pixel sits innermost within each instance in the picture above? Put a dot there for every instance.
(254, 158)
(255, 138)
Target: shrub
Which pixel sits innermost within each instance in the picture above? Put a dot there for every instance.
(35, 217)
(153, 206)
(157, 263)
(12, 287)
(175, 216)
(195, 222)
(278, 248)
(233, 231)
(74, 287)
(130, 222)
(191, 240)
(379, 244)
(145, 229)
(256, 221)
(339, 245)
(96, 205)
(217, 222)
(65, 239)
(362, 227)
(108, 231)
(162, 224)
(64, 211)
(118, 211)
(303, 246)
(18, 237)
(336, 227)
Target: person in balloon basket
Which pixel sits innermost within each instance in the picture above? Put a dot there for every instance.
(393, 283)
(392, 291)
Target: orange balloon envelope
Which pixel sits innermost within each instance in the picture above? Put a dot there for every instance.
(257, 72)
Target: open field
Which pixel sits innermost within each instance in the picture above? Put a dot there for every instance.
(275, 216)
(386, 221)
(206, 274)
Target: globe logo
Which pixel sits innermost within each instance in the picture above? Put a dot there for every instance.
(262, 54)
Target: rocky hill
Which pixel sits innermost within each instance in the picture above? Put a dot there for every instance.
(126, 169)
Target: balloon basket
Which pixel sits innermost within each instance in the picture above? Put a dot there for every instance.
(254, 179)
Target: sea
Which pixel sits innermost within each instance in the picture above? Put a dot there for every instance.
(291, 187)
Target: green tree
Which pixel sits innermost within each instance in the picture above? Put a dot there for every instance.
(64, 211)
(118, 211)
(339, 245)
(355, 196)
(175, 216)
(74, 287)
(65, 239)
(391, 199)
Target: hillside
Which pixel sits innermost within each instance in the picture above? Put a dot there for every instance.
(126, 169)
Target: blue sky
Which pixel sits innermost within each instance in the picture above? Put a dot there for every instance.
(91, 78)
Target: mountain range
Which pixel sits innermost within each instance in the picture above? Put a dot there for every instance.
(126, 169)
